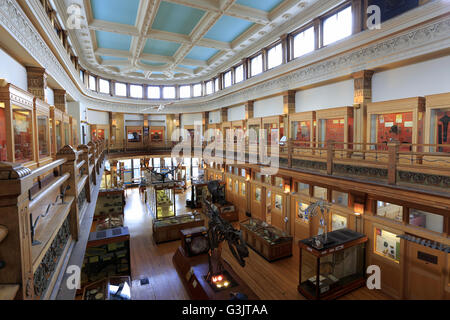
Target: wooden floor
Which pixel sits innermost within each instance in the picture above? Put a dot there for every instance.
(270, 281)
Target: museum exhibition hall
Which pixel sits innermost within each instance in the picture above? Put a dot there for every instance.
(252, 150)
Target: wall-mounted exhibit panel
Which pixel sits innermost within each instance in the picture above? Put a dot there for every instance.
(17, 134)
(156, 135)
(273, 129)
(57, 129)
(134, 137)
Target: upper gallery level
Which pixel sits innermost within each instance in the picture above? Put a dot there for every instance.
(294, 54)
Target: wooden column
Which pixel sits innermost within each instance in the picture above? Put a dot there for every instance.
(357, 15)
(249, 108)
(362, 96)
(60, 99)
(289, 102)
(393, 148)
(37, 82)
(15, 249)
(85, 168)
(224, 115)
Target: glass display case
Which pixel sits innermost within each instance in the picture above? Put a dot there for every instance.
(389, 210)
(253, 128)
(334, 270)
(162, 201)
(387, 244)
(156, 134)
(336, 125)
(303, 128)
(66, 130)
(42, 111)
(268, 241)
(273, 129)
(399, 121)
(437, 127)
(168, 229)
(17, 137)
(74, 132)
(57, 127)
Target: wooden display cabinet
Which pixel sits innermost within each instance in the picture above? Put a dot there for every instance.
(268, 241)
(107, 254)
(157, 135)
(253, 127)
(169, 229)
(100, 131)
(43, 140)
(336, 125)
(109, 210)
(67, 138)
(302, 131)
(399, 121)
(18, 128)
(335, 269)
(437, 127)
(274, 129)
(57, 133)
(74, 132)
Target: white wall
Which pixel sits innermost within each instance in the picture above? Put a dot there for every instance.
(339, 94)
(189, 119)
(50, 96)
(416, 80)
(98, 117)
(215, 117)
(268, 107)
(13, 71)
(236, 113)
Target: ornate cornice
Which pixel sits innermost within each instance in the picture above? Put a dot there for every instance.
(335, 62)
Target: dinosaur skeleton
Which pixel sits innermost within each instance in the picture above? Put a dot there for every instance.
(161, 177)
(219, 231)
(320, 207)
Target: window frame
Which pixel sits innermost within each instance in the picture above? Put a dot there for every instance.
(272, 46)
(296, 33)
(136, 85)
(193, 95)
(174, 92)
(91, 76)
(329, 14)
(159, 90)
(235, 73)
(250, 68)
(185, 86)
(230, 72)
(206, 87)
(126, 89)
(100, 87)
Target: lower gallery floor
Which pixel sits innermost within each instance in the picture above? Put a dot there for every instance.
(270, 281)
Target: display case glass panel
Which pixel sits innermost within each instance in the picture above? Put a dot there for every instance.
(301, 131)
(427, 220)
(302, 215)
(258, 194)
(340, 198)
(320, 193)
(58, 136)
(236, 187)
(43, 130)
(3, 149)
(66, 133)
(258, 176)
(230, 184)
(279, 202)
(331, 270)
(386, 128)
(243, 188)
(253, 133)
(279, 182)
(23, 134)
(338, 222)
(75, 134)
(390, 211)
(440, 129)
(387, 244)
(303, 188)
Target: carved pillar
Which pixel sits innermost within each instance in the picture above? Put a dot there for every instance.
(60, 100)
(224, 114)
(249, 108)
(15, 249)
(289, 102)
(37, 82)
(70, 166)
(362, 96)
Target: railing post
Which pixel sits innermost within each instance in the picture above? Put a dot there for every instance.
(85, 167)
(330, 157)
(15, 249)
(393, 148)
(69, 153)
(92, 162)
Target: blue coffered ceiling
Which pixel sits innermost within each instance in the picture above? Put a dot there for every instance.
(184, 34)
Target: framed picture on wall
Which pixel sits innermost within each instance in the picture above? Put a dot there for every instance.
(156, 135)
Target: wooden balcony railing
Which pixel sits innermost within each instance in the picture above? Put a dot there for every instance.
(41, 212)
